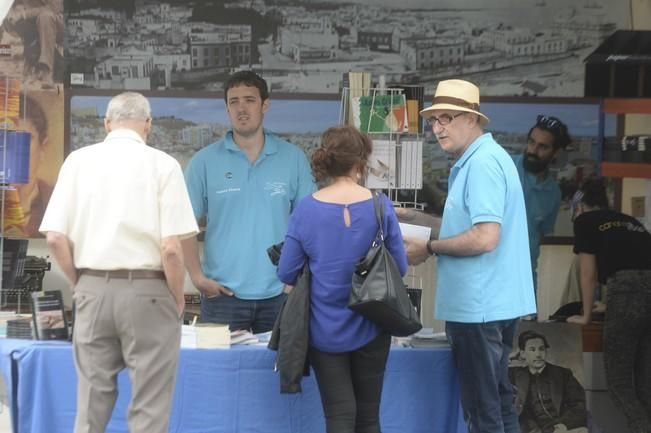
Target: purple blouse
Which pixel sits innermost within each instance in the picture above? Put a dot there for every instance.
(317, 232)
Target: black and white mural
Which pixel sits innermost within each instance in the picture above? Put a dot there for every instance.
(508, 47)
(31, 43)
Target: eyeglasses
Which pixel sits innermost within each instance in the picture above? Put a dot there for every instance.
(548, 122)
(576, 200)
(443, 119)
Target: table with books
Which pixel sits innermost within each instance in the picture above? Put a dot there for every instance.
(231, 391)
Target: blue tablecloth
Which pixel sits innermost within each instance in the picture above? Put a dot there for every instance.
(231, 391)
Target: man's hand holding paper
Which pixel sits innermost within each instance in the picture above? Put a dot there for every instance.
(412, 216)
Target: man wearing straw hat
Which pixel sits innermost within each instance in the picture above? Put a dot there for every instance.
(484, 279)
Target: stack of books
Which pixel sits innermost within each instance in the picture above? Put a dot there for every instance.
(426, 337)
(205, 336)
(4, 316)
(359, 84)
(20, 328)
(243, 337)
(213, 336)
(49, 316)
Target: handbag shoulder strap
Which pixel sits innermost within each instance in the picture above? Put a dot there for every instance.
(378, 204)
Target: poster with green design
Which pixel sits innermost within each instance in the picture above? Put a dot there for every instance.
(380, 113)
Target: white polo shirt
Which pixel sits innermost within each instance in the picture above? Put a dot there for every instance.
(116, 200)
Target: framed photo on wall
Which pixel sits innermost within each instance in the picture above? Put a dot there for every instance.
(547, 363)
(41, 114)
(184, 122)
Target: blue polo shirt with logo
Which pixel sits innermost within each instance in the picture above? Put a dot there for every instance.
(497, 285)
(542, 200)
(247, 208)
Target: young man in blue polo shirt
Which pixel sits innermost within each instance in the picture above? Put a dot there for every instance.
(542, 195)
(245, 185)
(484, 279)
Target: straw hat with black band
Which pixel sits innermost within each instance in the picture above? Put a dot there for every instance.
(456, 95)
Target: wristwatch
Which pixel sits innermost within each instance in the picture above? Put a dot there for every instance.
(429, 248)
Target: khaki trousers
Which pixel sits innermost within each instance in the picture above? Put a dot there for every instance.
(125, 323)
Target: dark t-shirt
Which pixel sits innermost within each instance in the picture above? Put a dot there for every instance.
(619, 241)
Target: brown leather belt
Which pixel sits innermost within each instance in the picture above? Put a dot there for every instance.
(135, 274)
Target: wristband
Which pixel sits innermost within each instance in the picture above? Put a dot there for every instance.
(429, 248)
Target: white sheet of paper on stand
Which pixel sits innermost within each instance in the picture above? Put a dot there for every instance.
(411, 165)
(382, 165)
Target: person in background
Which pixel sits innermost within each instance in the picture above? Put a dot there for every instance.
(35, 194)
(245, 185)
(25, 203)
(542, 195)
(39, 23)
(484, 281)
(332, 230)
(615, 249)
(548, 398)
(116, 234)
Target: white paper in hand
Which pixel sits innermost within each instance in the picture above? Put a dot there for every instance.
(415, 231)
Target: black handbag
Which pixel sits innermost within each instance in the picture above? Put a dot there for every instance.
(378, 292)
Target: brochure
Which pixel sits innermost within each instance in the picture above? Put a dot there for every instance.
(49, 317)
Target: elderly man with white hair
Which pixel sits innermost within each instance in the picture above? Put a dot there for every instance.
(114, 224)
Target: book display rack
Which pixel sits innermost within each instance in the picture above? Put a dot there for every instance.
(390, 115)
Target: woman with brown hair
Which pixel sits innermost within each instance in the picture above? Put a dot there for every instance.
(332, 230)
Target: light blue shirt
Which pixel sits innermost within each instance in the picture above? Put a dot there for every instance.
(247, 208)
(542, 200)
(484, 187)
